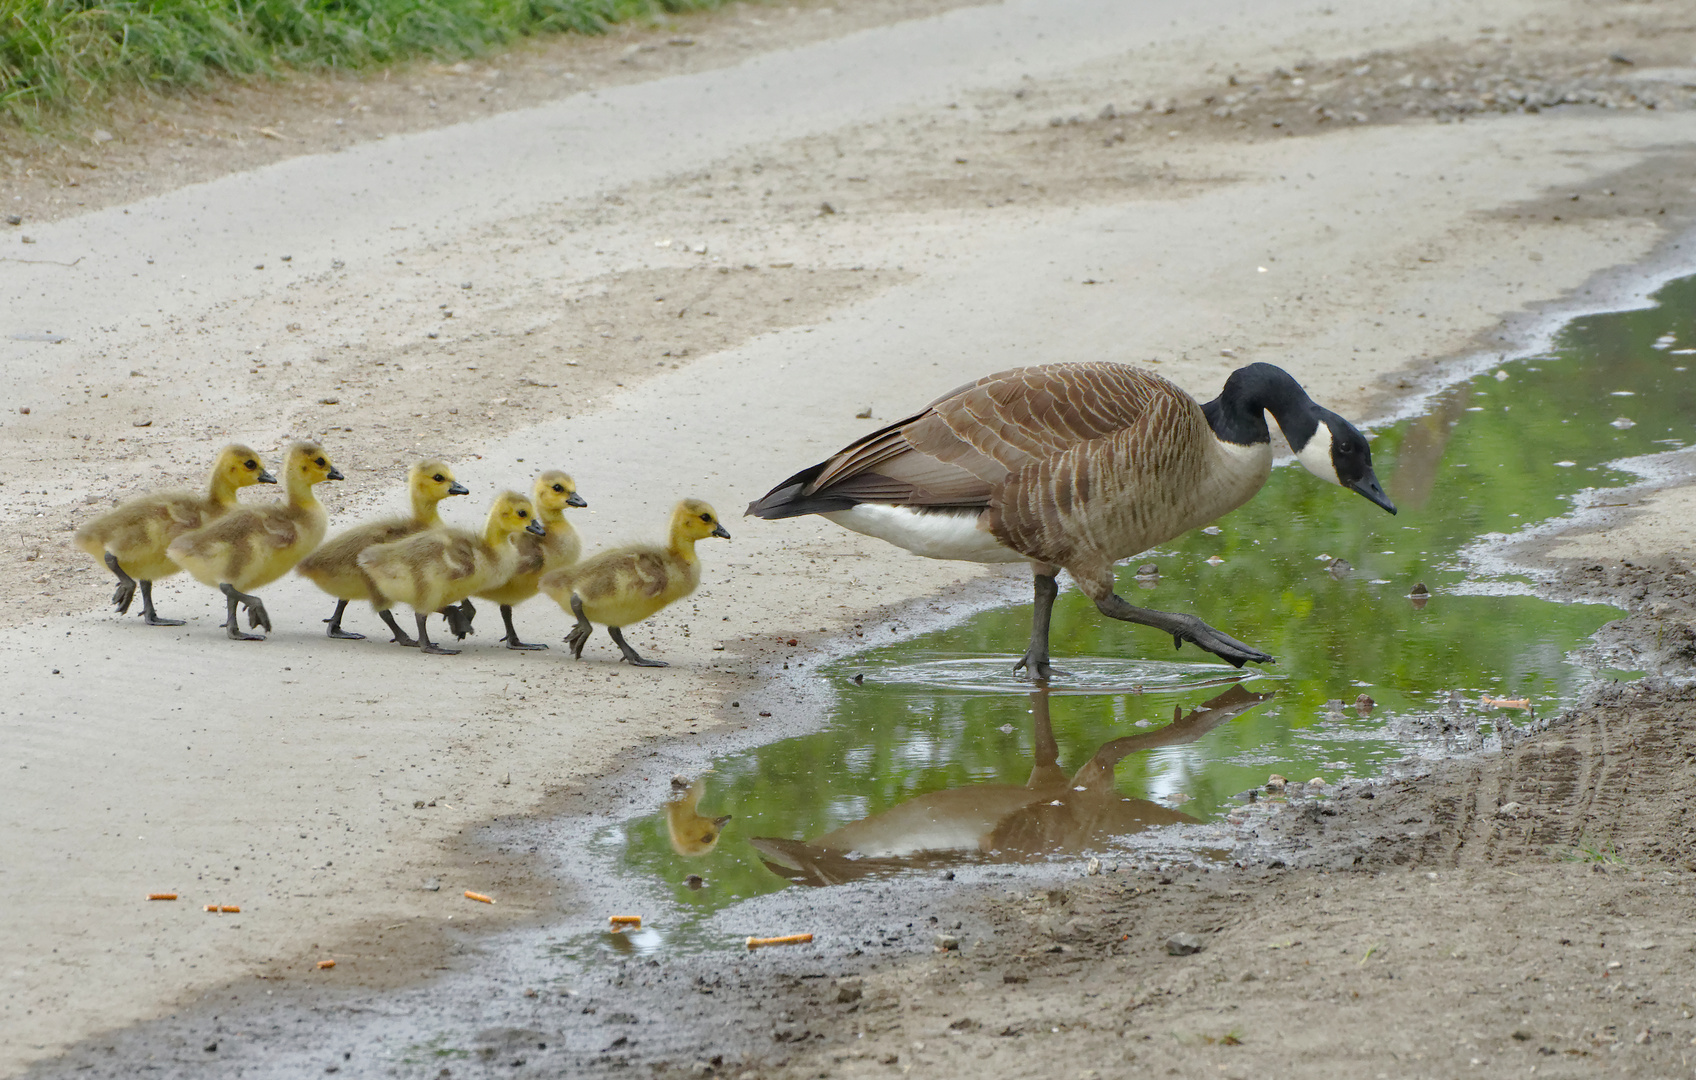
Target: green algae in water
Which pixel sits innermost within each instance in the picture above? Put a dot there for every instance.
(941, 712)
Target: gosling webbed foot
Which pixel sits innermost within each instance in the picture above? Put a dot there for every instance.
(631, 656)
(512, 641)
(579, 635)
(425, 645)
(459, 618)
(148, 615)
(256, 615)
(335, 629)
(401, 637)
(124, 594)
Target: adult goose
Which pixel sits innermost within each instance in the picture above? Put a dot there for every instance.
(1076, 467)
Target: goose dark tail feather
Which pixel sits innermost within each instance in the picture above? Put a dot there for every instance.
(788, 500)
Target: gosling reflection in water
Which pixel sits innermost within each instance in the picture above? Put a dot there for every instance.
(1052, 814)
(692, 833)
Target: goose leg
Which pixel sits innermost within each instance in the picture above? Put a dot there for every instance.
(335, 622)
(630, 654)
(148, 615)
(1184, 628)
(424, 642)
(1035, 660)
(512, 641)
(124, 595)
(579, 635)
(401, 637)
(256, 615)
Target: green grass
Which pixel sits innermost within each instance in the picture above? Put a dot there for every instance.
(58, 56)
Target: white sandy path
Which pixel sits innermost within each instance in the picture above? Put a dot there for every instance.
(165, 760)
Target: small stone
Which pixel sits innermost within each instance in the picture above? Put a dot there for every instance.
(864, 414)
(695, 882)
(1419, 589)
(14, 219)
(329, 401)
(432, 885)
(1364, 703)
(1184, 945)
(1148, 569)
(826, 209)
(849, 990)
(1093, 867)
(1510, 811)
(946, 943)
(27, 239)
(1275, 783)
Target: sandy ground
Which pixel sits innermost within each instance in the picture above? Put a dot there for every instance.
(667, 298)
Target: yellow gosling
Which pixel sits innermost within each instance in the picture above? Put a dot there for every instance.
(131, 538)
(538, 555)
(250, 547)
(626, 585)
(693, 834)
(432, 569)
(335, 568)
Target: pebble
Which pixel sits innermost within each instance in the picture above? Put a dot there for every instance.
(14, 219)
(1148, 569)
(1275, 782)
(946, 942)
(695, 881)
(1510, 810)
(1184, 945)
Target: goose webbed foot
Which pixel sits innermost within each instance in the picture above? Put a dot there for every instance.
(256, 614)
(1186, 628)
(148, 615)
(424, 642)
(631, 655)
(579, 635)
(335, 630)
(512, 641)
(1038, 669)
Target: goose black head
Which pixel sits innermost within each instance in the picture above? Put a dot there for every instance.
(1337, 452)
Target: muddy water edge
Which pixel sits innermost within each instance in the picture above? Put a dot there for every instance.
(1498, 454)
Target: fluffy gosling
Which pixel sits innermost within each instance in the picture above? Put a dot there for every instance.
(539, 555)
(627, 584)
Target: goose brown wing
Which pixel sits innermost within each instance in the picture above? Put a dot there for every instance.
(957, 452)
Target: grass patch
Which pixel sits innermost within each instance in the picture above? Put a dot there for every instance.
(1589, 851)
(59, 56)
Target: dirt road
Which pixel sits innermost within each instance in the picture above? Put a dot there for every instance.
(688, 278)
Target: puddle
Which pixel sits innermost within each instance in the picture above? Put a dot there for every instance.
(934, 756)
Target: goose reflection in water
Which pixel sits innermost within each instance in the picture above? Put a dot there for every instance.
(1052, 814)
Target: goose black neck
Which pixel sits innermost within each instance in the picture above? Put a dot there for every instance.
(1238, 414)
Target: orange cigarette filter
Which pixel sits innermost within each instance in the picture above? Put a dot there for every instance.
(323, 964)
(231, 908)
(211, 907)
(787, 939)
(625, 920)
(161, 896)
(479, 897)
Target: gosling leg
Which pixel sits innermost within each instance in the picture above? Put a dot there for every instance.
(124, 595)
(579, 635)
(401, 637)
(424, 642)
(1035, 660)
(256, 615)
(459, 618)
(512, 641)
(335, 622)
(630, 654)
(148, 615)
(1184, 628)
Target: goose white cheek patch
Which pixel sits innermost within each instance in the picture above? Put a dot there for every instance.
(1316, 456)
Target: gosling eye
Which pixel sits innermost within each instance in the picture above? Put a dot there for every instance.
(440, 478)
(524, 513)
(250, 465)
(707, 518)
(559, 487)
(322, 463)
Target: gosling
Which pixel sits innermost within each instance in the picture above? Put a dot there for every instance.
(131, 538)
(561, 547)
(335, 568)
(250, 547)
(432, 569)
(692, 833)
(626, 585)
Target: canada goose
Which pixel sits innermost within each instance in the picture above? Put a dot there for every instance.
(627, 584)
(692, 833)
(131, 538)
(252, 546)
(1052, 814)
(1075, 467)
(335, 568)
(431, 569)
(537, 556)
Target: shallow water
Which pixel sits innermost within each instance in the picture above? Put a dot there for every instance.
(946, 752)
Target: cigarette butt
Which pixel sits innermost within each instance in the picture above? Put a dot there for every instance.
(625, 920)
(211, 907)
(787, 939)
(324, 964)
(479, 897)
(161, 896)
(230, 909)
